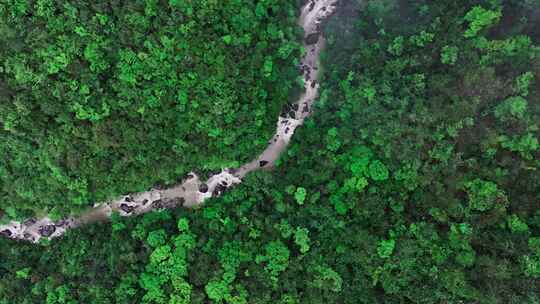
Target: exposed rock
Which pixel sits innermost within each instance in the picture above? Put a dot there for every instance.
(218, 190)
(127, 208)
(6, 233)
(312, 38)
(203, 188)
(169, 203)
(175, 202)
(286, 108)
(157, 204)
(47, 230)
(215, 193)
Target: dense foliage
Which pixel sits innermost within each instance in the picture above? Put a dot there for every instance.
(101, 98)
(417, 180)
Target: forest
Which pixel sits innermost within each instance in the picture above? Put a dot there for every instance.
(415, 180)
(101, 98)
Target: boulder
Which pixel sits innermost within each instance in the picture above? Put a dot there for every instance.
(312, 38)
(6, 233)
(203, 188)
(157, 204)
(127, 208)
(47, 230)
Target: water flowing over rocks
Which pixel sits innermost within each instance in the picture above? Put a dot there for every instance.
(192, 192)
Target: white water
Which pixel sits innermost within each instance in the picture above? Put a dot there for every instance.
(192, 192)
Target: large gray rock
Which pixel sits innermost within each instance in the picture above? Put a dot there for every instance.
(6, 233)
(203, 188)
(47, 230)
(312, 38)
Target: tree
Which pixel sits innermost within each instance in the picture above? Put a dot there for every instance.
(480, 18)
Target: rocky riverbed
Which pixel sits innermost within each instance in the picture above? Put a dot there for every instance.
(192, 192)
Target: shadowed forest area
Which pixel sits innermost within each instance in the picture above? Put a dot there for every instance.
(416, 179)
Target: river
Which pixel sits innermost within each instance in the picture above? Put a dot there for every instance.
(192, 192)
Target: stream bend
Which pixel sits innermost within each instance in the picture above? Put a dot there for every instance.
(192, 192)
